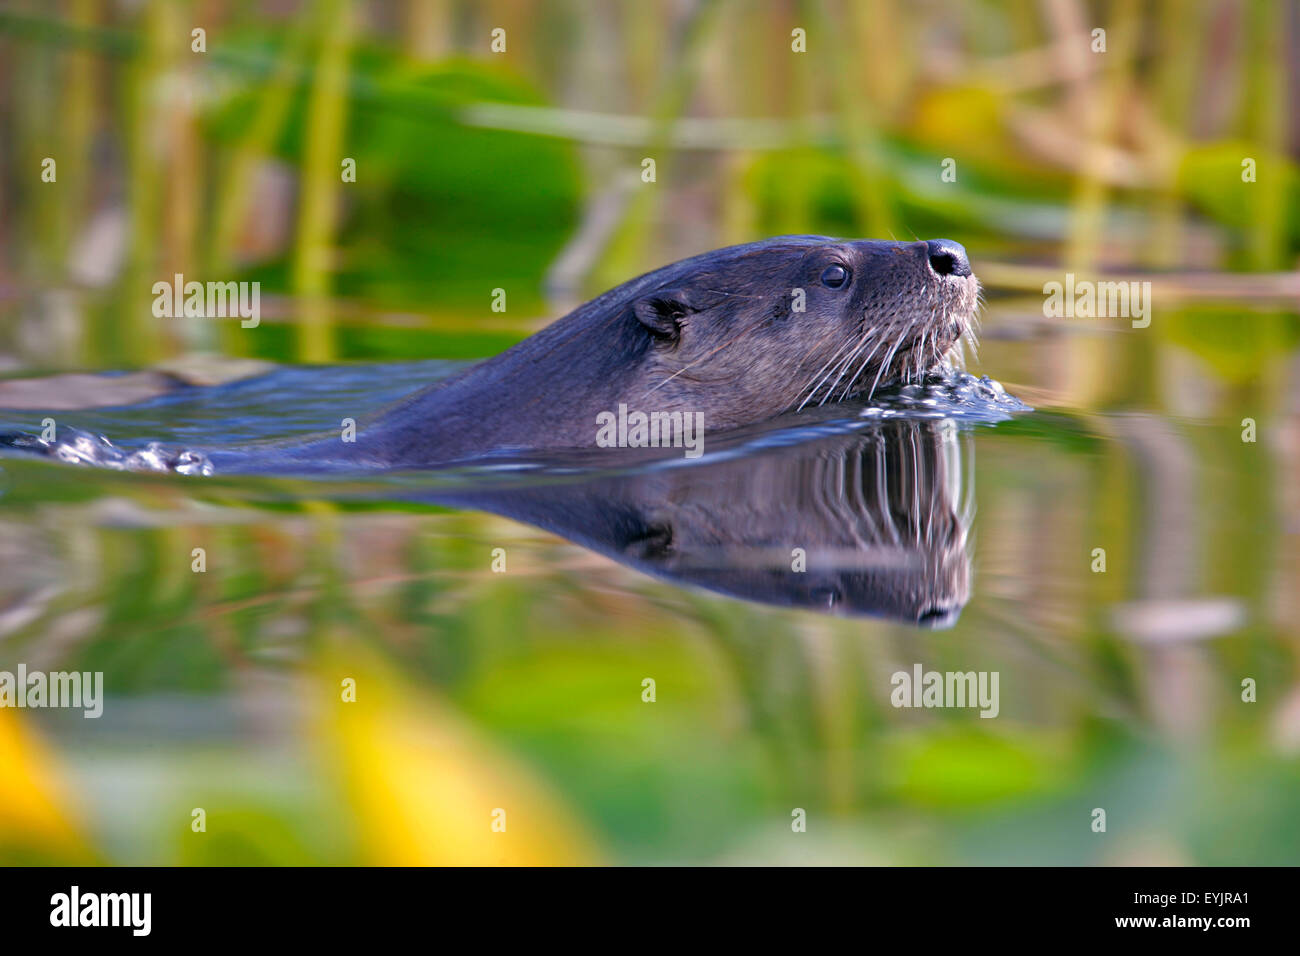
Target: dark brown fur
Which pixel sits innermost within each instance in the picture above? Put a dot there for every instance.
(716, 334)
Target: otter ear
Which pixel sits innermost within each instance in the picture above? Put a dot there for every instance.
(662, 313)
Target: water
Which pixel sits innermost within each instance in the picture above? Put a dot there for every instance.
(624, 656)
(848, 509)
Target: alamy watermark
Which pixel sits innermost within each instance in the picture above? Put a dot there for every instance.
(208, 300)
(651, 430)
(75, 908)
(1086, 299)
(77, 690)
(922, 688)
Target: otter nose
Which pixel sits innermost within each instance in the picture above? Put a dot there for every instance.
(948, 258)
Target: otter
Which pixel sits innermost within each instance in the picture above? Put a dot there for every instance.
(731, 337)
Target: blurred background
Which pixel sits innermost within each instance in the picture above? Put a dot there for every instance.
(1168, 155)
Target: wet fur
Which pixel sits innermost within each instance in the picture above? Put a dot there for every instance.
(714, 334)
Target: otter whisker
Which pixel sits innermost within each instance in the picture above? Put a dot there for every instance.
(927, 355)
(931, 354)
(838, 371)
(970, 333)
(844, 367)
(855, 346)
(830, 392)
(861, 368)
(813, 391)
(973, 326)
(830, 362)
(888, 358)
(918, 356)
(957, 354)
(905, 373)
(742, 295)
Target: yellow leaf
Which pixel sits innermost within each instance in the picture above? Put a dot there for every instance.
(426, 789)
(32, 815)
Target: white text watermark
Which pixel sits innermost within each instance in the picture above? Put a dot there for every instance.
(922, 688)
(1086, 299)
(75, 690)
(208, 300)
(651, 430)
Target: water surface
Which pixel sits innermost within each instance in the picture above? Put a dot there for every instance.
(1120, 562)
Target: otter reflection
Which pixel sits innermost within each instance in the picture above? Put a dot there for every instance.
(870, 523)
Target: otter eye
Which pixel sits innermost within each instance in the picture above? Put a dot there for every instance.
(835, 276)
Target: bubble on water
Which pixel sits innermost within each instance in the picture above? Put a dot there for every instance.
(193, 463)
(947, 394)
(84, 448)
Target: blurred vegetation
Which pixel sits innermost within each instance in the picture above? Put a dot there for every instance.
(521, 170)
(518, 170)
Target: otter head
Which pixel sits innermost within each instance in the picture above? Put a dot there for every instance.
(749, 332)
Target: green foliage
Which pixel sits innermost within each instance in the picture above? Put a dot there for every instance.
(1211, 177)
(441, 212)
